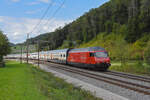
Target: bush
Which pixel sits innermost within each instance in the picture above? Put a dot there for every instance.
(147, 54)
(2, 64)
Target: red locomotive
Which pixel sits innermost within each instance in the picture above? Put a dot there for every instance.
(92, 57)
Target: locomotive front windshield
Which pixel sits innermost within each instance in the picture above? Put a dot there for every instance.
(101, 54)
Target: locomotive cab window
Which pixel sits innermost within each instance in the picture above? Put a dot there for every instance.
(101, 54)
(91, 54)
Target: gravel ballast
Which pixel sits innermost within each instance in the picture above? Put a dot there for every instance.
(99, 88)
(98, 92)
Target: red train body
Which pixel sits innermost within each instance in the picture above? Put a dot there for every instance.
(93, 57)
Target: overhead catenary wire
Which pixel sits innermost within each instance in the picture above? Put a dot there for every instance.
(58, 10)
(47, 22)
(41, 19)
(43, 16)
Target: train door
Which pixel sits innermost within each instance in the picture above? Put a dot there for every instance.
(91, 58)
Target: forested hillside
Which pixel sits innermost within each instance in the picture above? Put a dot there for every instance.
(117, 23)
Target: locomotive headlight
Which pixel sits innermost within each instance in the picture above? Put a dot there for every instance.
(98, 62)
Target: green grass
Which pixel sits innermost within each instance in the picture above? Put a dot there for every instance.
(133, 67)
(25, 82)
(18, 83)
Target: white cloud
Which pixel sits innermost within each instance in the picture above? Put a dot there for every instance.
(33, 3)
(34, 11)
(39, 1)
(17, 28)
(45, 1)
(15, 0)
(1, 19)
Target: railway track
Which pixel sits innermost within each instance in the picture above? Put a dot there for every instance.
(130, 76)
(110, 80)
(123, 84)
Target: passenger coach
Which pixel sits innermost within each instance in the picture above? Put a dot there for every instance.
(58, 56)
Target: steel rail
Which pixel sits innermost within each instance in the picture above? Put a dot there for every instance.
(125, 75)
(107, 80)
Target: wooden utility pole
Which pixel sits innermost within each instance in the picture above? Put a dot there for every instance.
(27, 48)
(38, 53)
(21, 55)
(38, 44)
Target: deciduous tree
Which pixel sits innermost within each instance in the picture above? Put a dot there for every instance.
(4, 46)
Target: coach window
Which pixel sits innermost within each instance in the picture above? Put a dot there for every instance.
(91, 54)
(64, 55)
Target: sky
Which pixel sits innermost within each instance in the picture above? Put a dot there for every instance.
(19, 17)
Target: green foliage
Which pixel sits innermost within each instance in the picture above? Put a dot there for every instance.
(118, 48)
(66, 44)
(112, 42)
(133, 30)
(134, 67)
(4, 46)
(108, 26)
(120, 51)
(147, 54)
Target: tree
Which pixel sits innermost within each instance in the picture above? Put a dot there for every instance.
(147, 54)
(121, 50)
(133, 30)
(144, 16)
(108, 26)
(116, 28)
(4, 46)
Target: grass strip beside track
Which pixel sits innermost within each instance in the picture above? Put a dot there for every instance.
(25, 82)
(133, 68)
